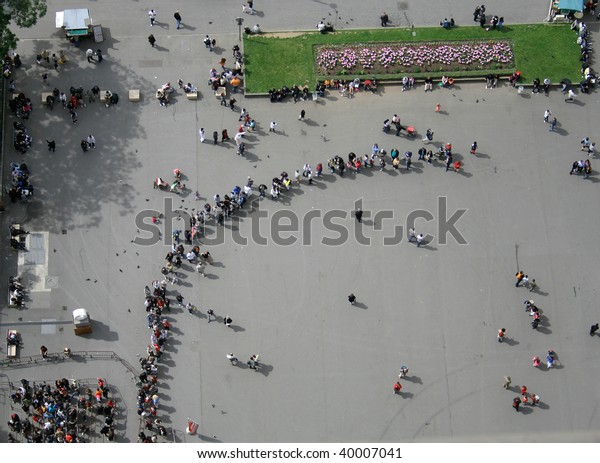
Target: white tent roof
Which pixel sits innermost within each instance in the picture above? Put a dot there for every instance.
(73, 19)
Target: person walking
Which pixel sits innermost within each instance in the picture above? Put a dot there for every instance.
(152, 16)
(202, 135)
(51, 145)
(516, 403)
(506, 383)
(594, 328)
(200, 268)
(592, 149)
(411, 235)
(474, 147)
(302, 114)
(272, 126)
(501, 333)
(553, 124)
(151, 40)
(177, 17)
(89, 55)
(232, 358)
(319, 169)
(385, 19)
(91, 140)
(420, 239)
(397, 387)
(519, 276)
(532, 285)
(570, 96)
(99, 55)
(448, 162)
(547, 115)
(208, 43)
(44, 352)
(351, 298)
(358, 214)
(84, 145)
(210, 314)
(227, 321)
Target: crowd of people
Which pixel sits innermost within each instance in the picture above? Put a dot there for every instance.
(70, 411)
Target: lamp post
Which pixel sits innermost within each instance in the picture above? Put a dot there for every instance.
(239, 22)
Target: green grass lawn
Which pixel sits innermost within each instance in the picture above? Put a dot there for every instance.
(540, 50)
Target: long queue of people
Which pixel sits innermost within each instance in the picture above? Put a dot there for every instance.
(156, 304)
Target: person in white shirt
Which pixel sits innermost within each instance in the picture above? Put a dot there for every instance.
(152, 16)
(547, 115)
(592, 149)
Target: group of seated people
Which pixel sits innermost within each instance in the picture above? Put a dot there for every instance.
(216, 80)
(408, 82)
(491, 80)
(21, 187)
(447, 24)
(21, 139)
(278, 95)
(589, 80)
(447, 82)
(12, 339)
(187, 88)
(537, 86)
(254, 30)
(323, 27)
(21, 106)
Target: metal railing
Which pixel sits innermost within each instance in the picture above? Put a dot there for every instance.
(56, 357)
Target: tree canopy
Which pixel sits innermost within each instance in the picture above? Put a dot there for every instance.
(23, 13)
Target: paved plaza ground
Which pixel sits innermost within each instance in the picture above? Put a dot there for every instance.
(328, 367)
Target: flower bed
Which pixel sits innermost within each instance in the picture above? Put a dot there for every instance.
(397, 58)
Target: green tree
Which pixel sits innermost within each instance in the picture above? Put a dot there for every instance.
(23, 13)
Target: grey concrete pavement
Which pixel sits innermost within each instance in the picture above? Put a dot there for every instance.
(328, 367)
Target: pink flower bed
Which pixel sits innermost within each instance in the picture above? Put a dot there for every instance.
(404, 57)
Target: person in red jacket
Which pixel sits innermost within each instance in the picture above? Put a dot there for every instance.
(516, 403)
(397, 387)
